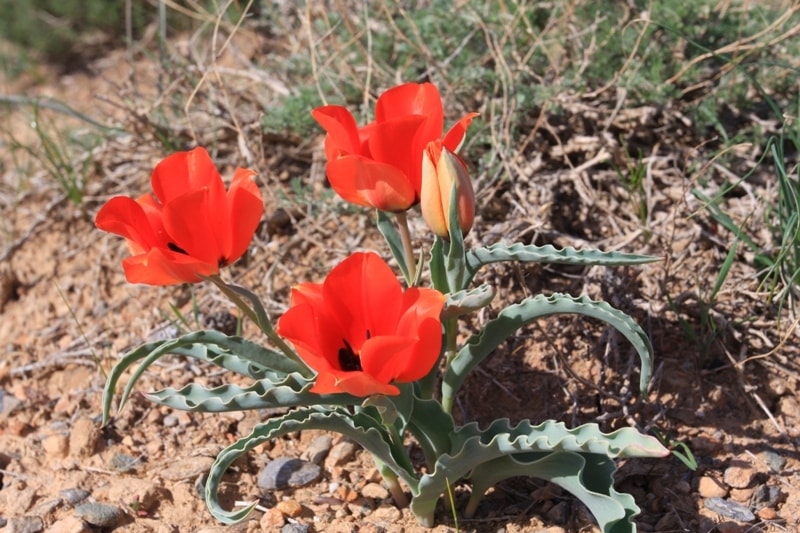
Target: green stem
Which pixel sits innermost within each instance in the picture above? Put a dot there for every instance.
(451, 349)
(408, 250)
(393, 484)
(258, 315)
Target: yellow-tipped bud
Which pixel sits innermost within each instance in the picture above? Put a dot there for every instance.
(441, 169)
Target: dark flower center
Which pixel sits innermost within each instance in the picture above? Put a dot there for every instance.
(175, 248)
(348, 360)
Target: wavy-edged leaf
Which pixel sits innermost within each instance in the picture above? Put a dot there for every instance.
(520, 314)
(469, 300)
(292, 390)
(579, 459)
(530, 253)
(232, 353)
(363, 429)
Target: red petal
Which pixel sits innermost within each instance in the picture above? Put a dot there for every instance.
(164, 267)
(245, 211)
(192, 225)
(363, 182)
(125, 217)
(183, 172)
(455, 135)
(364, 295)
(412, 99)
(397, 143)
(341, 127)
(355, 383)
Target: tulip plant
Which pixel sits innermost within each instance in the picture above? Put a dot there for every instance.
(362, 353)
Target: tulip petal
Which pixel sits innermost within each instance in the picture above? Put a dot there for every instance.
(191, 228)
(454, 137)
(125, 217)
(371, 184)
(358, 384)
(421, 99)
(364, 294)
(398, 143)
(245, 211)
(164, 267)
(342, 130)
(185, 171)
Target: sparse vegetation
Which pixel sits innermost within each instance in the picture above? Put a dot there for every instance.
(662, 128)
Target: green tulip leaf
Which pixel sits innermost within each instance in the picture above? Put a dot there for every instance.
(517, 315)
(232, 353)
(292, 390)
(530, 253)
(580, 460)
(467, 301)
(363, 429)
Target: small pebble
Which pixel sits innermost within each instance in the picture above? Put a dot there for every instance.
(374, 490)
(170, 421)
(729, 509)
(295, 528)
(122, 462)
(341, 453)
(25, 524)
(766, 496)
(318, 449)
(739, 476)
(84, 437)
(285, 472)
(767, 513)
(99, 514)
(774, 461)
(289, 508)
(709, 487)
(386, 513)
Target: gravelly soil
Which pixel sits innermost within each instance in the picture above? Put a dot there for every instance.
(67, 314)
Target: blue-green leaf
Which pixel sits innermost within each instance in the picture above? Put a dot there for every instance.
(517, 315)
(292, 390)
(232, 353)
(579, 459)
(530, 253)
(363, 429)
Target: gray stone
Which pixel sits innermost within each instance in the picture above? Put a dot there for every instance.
(74, 496)
(294, 528)
(765, 496)
(99, 514)
(730, 509)
(342, 453)
(774, 461)
(25, 524)
(318, 449)
(286, 472)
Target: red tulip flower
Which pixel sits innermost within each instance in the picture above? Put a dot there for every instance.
(360, 332)
(190, 227)
(379, 165)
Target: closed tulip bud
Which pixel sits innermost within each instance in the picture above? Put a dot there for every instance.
(441, 170)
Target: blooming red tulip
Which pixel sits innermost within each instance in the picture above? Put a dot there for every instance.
(360, 332)
(441, 169)
(378, 165)
(190, 227)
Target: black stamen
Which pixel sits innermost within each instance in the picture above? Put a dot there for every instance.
(175, 248)
(348, 360)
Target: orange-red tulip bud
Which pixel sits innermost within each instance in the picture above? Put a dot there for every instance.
(441, 169)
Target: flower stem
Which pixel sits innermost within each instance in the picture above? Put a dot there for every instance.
(408, 250)
(393, 484)
(258, 315)
(451, 348)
